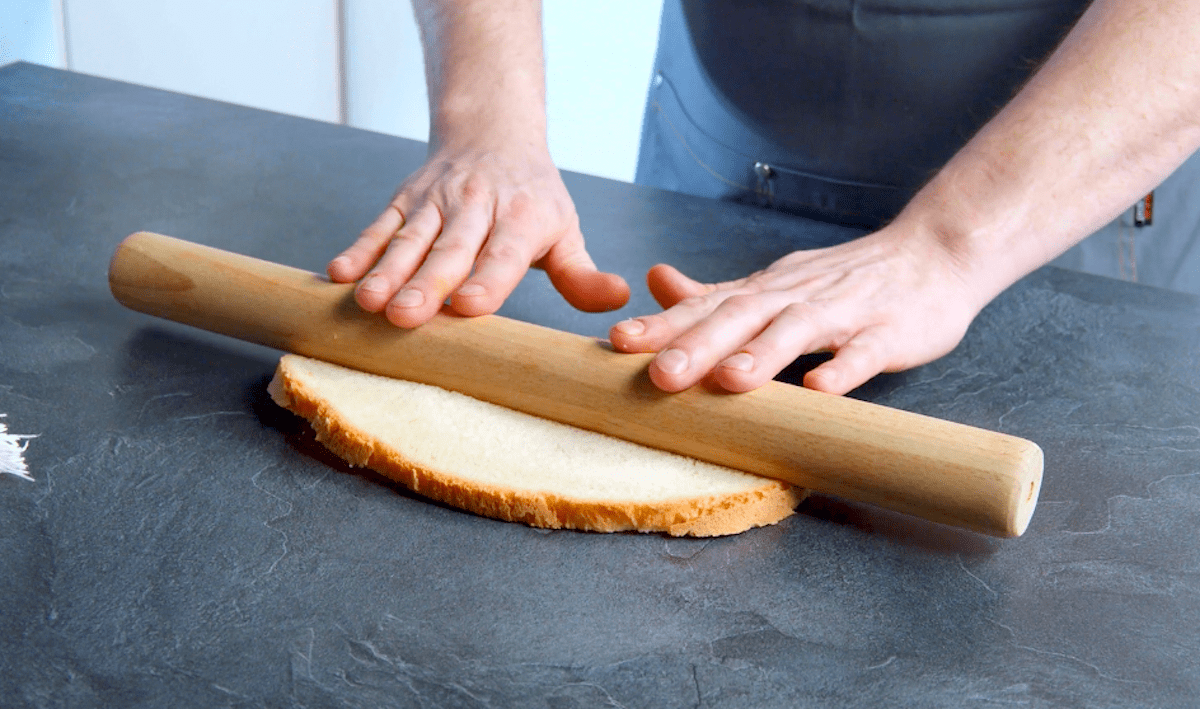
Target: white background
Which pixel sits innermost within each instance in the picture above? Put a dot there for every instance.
(350, 61)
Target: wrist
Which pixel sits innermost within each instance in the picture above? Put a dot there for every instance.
(484, 70)
(981, 220)
(951, 247)
(516, 119)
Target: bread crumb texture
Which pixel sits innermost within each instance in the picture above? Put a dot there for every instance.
(512, 466)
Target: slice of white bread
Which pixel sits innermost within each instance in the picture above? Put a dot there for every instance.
(512, 466)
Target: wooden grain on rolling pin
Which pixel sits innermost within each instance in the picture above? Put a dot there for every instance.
(939, 470)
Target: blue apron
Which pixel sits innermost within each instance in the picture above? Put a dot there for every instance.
(841, 110)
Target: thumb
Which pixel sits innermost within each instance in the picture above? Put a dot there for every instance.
(669, 286)
(575, 276)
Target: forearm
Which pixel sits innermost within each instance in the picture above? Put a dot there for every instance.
(489, 202)
(1113, 111)
(484, 68)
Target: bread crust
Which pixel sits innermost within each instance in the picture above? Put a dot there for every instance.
(704, 516)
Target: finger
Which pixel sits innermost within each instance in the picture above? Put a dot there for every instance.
(735, 322)
(351, 264)
(798, 329)
(855, 362)
(651, 333)
(685, 301)
(502, 263)
(575, 276)
(446, 266)
(404, 253)
(669, 286)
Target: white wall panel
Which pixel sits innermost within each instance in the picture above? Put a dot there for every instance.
(599, 56)
(283, 55)
(28, 33)
(385, 70)
(280, 55)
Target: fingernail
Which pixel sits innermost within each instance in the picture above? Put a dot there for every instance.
(672, 361)
(630, 327)
(742, 361)
(472, 289)
(409, 298)
(339, 262)
(374, 284)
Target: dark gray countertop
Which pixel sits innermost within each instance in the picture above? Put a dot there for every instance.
(185, 543)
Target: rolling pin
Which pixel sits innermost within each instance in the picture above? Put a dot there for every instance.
(942, 471)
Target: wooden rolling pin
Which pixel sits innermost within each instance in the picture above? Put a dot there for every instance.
(942, 471)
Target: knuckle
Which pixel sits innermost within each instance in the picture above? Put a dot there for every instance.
(520, 206)
(864, 352)
(755, 283)
(873, 348)
(502, 251)
(474, 190)
(416, 188)
(422, 219)
(702, 303)
(450, 248)
(411, 188)
(740, 306)
(407, 238)
(803, 312)
(526, 212)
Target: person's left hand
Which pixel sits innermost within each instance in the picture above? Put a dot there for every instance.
(889, 301)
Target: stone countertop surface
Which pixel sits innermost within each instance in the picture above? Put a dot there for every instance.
(186, 543)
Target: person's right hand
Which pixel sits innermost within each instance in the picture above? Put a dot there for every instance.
(467, 226)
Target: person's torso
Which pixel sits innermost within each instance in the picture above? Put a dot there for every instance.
(878, 91)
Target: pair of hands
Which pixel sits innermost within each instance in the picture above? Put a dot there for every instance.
(472, 220)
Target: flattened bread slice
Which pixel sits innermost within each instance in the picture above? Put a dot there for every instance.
(512, 466)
